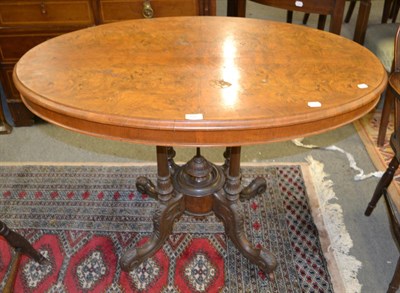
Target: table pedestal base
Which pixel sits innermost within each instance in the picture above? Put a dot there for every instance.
(199, 188)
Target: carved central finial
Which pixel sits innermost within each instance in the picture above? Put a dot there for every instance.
(198, 177)
(198, 168)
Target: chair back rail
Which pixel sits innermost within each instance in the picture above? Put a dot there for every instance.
(333, 8)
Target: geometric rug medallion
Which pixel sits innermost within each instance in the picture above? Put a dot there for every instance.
(81, 218)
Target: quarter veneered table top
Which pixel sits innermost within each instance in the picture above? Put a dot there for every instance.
(200, 81)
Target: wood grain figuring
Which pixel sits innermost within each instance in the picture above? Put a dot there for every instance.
(250, 79)
(27, 23)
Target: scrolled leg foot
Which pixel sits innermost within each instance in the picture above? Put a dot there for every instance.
(230, 212)
(257, 186)
(130, 260)
(163, 221)
(145, 186)
(267, 263)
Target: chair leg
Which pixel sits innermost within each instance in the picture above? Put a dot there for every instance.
(350, 10)
(395, 10)
(306, 17)
(387, 108)
(386, 11)
(395, 282)
(321, 21)
(289, 16)
(382, 185)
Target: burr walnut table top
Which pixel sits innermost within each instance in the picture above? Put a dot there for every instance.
(200, 81)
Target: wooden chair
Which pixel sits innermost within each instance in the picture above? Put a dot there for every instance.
(390, 11)
(347, 18)
(321, 19)
(333, 8)
(21, 246)
(350, 10)
(379, 39)
(381, 189)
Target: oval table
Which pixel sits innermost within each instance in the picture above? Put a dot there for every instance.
(199, 81)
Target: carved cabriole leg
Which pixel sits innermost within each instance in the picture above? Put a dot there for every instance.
(231, 215)
(163, 221)
(171, 207)
(228, 208)
(382, 185)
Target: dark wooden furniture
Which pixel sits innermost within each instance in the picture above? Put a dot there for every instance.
(21, 246)
(350, 10)
(199, 81)
(347, 18)
(333, 8)
(25, 24)
(362, 21)
(381, 189)
(390, 10)
(322, 18)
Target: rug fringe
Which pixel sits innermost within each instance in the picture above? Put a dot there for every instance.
(332, 214)
(353, 165)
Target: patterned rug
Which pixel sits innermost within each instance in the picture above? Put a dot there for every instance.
(81, 218)
(368, 127)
